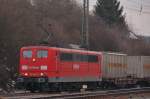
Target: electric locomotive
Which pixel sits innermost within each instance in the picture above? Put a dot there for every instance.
(45, 68)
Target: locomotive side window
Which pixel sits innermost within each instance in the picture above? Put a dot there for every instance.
(42, 54)
(66, 57)
(85, 58)
(77, 57)
(27, 54)
(92, 58)
(80, 58)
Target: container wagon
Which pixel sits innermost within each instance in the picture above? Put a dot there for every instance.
(114, 69)
(139, 69)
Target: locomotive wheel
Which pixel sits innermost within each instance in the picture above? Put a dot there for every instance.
(43, 87)
(31, 87)
(32, 90)
(108, 85)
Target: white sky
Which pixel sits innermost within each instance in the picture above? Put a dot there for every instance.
(138, 20)
(138, 15)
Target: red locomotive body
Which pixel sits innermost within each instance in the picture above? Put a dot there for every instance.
(58, 67)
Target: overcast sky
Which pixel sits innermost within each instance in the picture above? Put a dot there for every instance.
(137, 15)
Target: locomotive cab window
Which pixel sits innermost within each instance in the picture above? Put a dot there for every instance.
(42, 53)
(27, 53)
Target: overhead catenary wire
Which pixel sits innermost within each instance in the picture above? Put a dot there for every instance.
(140, 3)
(141, 6)
(136, 2)
(138, 10)
(138, 7)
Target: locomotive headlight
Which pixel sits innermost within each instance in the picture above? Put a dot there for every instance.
(26, 74)
(42, 74)
(24, 67)
(43, 67)
(33, 59)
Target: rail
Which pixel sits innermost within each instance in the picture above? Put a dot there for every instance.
(83, 95)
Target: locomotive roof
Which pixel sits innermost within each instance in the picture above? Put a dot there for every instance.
(64, 49)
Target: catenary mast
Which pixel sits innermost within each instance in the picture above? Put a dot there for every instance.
(85, 25)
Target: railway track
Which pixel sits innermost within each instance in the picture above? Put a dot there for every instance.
(81, 95)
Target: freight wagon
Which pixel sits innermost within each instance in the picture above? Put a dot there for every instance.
(139, 69)
(114, 69)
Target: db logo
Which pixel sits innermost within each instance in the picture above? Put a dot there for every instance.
(76, 66)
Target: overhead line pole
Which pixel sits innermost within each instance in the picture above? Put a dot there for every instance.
(85, 25)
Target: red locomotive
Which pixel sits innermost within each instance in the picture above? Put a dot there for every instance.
(49, 68)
